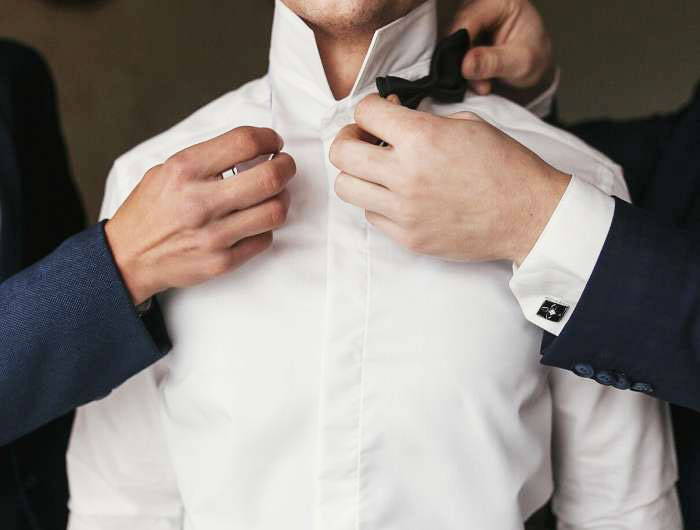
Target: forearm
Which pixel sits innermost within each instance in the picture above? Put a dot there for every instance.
(70, 334)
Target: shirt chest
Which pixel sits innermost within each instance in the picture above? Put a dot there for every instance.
(332, 282)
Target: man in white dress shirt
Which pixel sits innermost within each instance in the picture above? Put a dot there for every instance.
(342, 381)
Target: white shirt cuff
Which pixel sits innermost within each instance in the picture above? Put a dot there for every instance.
(562, 261)
(541, 106)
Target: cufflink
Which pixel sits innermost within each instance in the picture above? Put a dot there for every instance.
(552, 311)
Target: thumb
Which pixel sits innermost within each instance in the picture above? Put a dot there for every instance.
(493, 62)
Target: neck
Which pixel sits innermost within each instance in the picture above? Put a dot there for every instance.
(342, 59)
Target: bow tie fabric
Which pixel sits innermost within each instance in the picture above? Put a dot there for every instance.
(444, 83)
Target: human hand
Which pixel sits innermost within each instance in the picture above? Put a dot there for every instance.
(518, 61)
(184, 224)
(455, 188)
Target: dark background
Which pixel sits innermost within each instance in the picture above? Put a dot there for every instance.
(127, 69)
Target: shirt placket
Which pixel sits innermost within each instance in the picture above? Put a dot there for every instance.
(341, 392)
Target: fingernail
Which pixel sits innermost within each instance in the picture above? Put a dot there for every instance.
(393, 98)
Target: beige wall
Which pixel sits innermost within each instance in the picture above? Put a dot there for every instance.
(126, 69)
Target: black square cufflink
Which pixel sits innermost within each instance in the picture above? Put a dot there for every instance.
(552, 311)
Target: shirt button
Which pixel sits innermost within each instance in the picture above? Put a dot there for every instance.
(584, 370)
(622, 382)
(605, 378)
(644, 388)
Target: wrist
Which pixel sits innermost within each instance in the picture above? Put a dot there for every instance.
(133, 272)
(547, 195)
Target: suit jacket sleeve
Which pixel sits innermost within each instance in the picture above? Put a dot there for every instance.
(638, 319)
(639, 314)
(70, 334)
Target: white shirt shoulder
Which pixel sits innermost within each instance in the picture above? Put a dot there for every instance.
(247, 105)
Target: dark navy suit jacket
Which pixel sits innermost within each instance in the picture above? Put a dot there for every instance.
(640, 312)
(69, 332)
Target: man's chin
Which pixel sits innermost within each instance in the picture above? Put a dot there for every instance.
(343, 18)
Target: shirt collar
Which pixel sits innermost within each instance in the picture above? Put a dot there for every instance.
(404, 48)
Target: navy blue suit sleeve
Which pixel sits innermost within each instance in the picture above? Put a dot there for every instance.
(639, 313)
(70, 334)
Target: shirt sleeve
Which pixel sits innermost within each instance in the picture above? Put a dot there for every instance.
(543, 104)
(614, 462)
(119, 468)
(551, 280)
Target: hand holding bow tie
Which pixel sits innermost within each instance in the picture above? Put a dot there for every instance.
(455, 188)
(517, 60)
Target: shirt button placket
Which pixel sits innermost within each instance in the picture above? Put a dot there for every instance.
(343, 356)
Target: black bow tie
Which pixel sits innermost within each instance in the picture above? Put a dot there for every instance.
(444, 83)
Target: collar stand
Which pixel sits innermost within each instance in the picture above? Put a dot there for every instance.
(403, 47)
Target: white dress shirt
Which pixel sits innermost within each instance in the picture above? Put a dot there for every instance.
(341, 382)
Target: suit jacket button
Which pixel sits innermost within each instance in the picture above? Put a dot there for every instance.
(584, 370)
(622, 382)
(605, 377)
(644, 388)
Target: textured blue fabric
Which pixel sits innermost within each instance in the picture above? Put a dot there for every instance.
(70, 334)
(640, 312)
(40, 209)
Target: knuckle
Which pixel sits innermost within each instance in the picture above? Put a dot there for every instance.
(422, 130)
(181, 164)
(153, 173)
(194, 212)
(247, 137)
(272, 179)
(277, 213)
(208, 240)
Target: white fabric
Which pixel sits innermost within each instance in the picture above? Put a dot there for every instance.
(542, 104)
(562, 261)
(340, 382)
